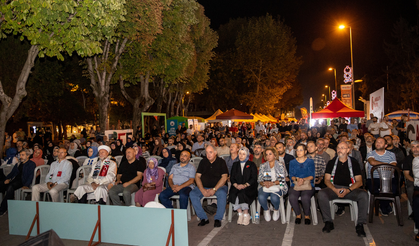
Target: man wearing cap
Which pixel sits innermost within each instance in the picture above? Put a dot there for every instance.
(102, 174)
(57, 178)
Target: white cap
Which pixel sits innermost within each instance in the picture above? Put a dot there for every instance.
(105, 148)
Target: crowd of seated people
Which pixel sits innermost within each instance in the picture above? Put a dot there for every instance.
(240, 164)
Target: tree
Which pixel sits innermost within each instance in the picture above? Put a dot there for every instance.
(54, 27)
(164, 61)
(143, 23)
(266, 53)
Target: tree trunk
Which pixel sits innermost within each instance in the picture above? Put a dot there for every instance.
(8, 104)
(101, 72)
(142, 102)
(161, 96)
(169, 103)
(187, 104)
(172, 110)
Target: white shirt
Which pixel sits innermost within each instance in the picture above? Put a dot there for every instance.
(385, 125)
(374, 128)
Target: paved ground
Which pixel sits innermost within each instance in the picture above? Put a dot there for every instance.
(384, 231)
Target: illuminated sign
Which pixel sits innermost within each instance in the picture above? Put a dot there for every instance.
(334, 94)
(347, 74)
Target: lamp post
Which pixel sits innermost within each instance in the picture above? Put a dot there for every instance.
(183, 105)
(330, 96)
(336, 82)
(325, 98)
(352, 63)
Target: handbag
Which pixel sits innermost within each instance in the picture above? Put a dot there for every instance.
(152, 187)
(305, 186)
(272, 189)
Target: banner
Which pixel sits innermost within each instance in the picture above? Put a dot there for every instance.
(346, 95)
(119, 134)
(377, 103)
(171, 127)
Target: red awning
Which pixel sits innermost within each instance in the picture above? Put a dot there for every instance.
(234, 114)
(337, 109)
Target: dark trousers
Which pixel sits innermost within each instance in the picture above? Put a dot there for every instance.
(305, 200)
(83, 199)
(10, 191)
(416, 207)
(168, 193)
(384, 205)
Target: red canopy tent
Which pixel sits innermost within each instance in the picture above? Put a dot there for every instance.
(234, 114)
(337, 109)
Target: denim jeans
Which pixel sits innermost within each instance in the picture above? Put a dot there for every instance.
(263, 199)
(221, 195)
(168, 193)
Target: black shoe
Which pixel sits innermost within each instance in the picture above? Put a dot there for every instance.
(203, 222)
(328, 226)
(217, 223)
(297, 221)
(411, 217)
(360, 230)
(341, 211)
(211, 209)
(307, 221)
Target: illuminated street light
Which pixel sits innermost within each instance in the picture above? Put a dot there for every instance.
(336, 82)
(352, 63)
(330, 97)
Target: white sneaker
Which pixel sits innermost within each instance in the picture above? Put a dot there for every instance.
(240, 219)
(246, 219)
(275, 215)
(267, 215)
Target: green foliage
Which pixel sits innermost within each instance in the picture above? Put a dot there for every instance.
(403, 79)
(61, 25)
(259, 53)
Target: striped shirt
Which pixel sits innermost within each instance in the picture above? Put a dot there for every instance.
(387, 157)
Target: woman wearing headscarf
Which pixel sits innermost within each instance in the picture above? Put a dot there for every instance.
(37, 158)
(243, 191)
(92, 153)
(152, 183)
(73, 150)
(178, 150)
(120, 146)
(129, 143)
(115, 151)
(48, 150)
(168, 161)
(158, 147)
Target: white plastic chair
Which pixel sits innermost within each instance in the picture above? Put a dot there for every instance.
(157, 157)
(118, 159)
(132, 197)
(43, 171)
(81, 159)
(83, 169)
(252, 211)
(353, 205)
(281, 209)
(195, 161)
(223, 156)
(45, 162)
(312, 208)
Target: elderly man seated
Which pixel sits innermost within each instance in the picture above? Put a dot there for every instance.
(343, 180)
(101, 175)
(210, 179)
(57, 178)
(181, 179)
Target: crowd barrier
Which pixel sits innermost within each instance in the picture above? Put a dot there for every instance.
(107, 224)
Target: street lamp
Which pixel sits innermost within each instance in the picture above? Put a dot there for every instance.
(336, 82)
(325, 98)
(330, 97)
(352, 63)
(183, 105)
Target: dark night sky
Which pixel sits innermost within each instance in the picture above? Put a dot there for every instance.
(319, 42)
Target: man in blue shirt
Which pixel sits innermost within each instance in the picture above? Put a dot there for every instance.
(377, 157)
(57, 178)
(181, 179)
